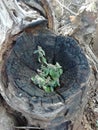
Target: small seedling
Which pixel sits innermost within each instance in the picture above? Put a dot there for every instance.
(48, 76)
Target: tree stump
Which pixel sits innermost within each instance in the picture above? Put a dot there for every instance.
(33, 107)
(54, 110)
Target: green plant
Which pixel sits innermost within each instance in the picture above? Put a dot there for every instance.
(49, 74)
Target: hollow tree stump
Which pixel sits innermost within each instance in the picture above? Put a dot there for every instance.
(56, 110)
(60, 110)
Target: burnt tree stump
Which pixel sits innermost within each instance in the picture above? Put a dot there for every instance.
(31, 23)
(47, 110)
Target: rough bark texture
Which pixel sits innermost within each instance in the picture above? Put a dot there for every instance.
(19, 36)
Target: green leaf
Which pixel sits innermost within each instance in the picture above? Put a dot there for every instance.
(58, 84)
(47, 89)
(41, 51)
(61, 71)
(44, 60)
(52, 89)
(58, 65)
(36, 51)
(53, 74)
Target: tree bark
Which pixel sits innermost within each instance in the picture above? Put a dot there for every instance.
(35, 20)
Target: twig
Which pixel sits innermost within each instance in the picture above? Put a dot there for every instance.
(66, 8)
(26, 127)
(91, 57)
(49, 14)
(91, 54)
